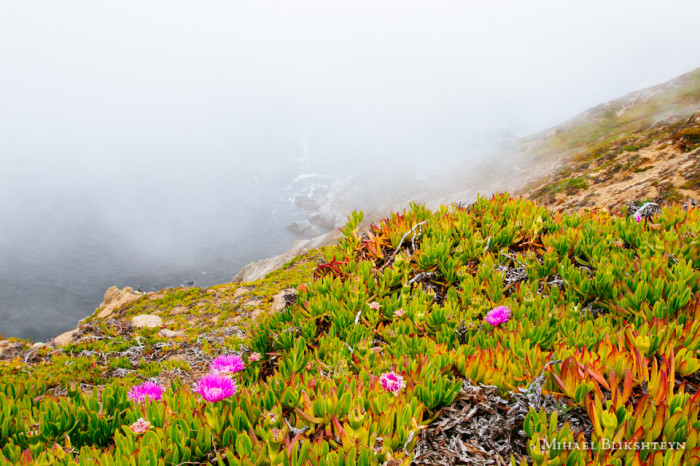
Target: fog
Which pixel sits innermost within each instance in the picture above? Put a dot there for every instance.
(157, 143)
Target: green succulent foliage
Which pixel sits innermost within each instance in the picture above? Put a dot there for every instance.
(603, 308)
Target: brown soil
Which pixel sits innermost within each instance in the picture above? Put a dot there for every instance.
(659, 163)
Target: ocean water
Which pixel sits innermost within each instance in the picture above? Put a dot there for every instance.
(63, 244)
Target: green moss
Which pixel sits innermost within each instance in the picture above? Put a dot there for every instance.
(575, 184)
(693, 182)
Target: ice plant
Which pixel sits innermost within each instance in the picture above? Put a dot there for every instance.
(152, 390)
(140, 426)
(638, 218)
(498, 315)
(227, 364)
(392, 382)
(374, 305)
(399, 313)
(254, 357)
(215, 387)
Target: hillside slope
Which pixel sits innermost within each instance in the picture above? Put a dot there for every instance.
(677, 98)
(660, 162)
(642, 145)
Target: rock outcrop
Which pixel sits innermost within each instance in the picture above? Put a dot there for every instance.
(258, 270)
(304, 228)
(65, 338)
(147, 320)
(4, 344)
(167, 333)
(279, 300)
(114, 299)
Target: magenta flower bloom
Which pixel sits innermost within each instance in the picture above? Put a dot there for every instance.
(392, 382)
(227, 364)
(498, 316)
(140, 426)
(138, 393)
(215, 387)
(638, 218)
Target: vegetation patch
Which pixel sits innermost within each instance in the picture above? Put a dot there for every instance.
(496, 333)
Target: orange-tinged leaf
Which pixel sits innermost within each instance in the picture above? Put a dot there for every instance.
(692, 440)
(598, 377)
(26, 456)
(637, 460)
(339, 428)
(672, 371)
(658, 425)
(642, 366)
(637, 436)
(661, 389)
(627, 386)
(323, 366)
(415, 425)
(308, 417)
(619, 435)
(561, 383)
(569, 369)
(593, 416)
(612, 380)
(307, 401)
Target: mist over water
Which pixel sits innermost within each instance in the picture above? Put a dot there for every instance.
(153, 145)
(148, 228)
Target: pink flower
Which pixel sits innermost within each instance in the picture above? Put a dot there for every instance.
(154, 391)
(140, 426)
(498, 316)
(638, 218)
(254, 357)
(392, 382)
(215, 387)
(374, 305)
(377, 349)
(227, 363)
(399, 313)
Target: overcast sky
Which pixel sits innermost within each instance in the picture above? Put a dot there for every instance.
(102, 83)
(130, 101)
